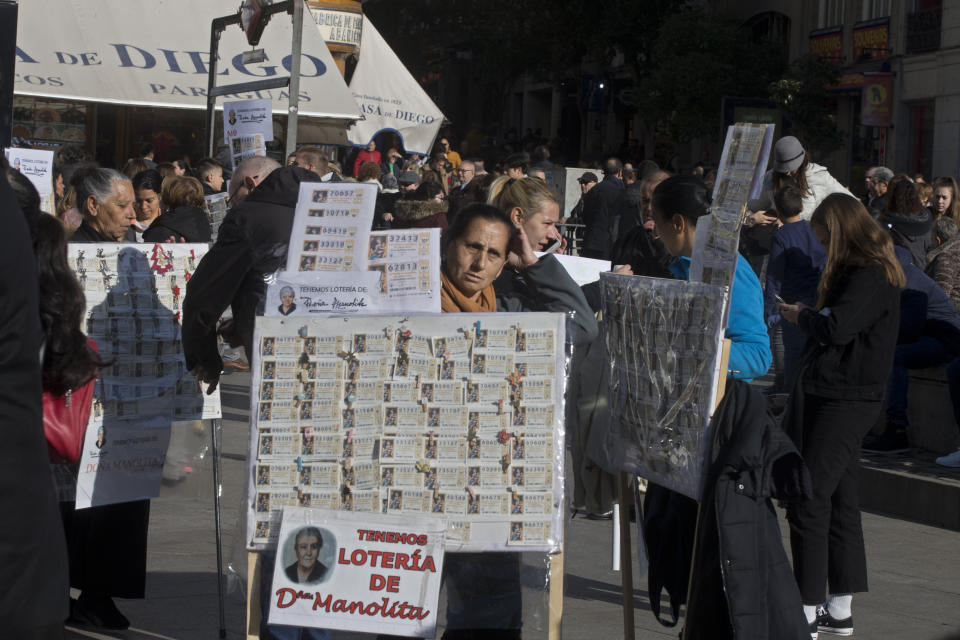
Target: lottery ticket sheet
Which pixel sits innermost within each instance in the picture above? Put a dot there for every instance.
(743, 162)
(408, 262)
(458, 416)
(663, 340)
(134, 295)
(331, 227)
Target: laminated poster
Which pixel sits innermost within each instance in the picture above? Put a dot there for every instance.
(362, 572)
(456, 417)
(331, 227)
(134, 295)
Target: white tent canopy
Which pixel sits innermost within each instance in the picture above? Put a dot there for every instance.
(390, 98)
(155, 53)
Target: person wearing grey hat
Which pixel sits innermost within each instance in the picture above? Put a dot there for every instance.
(409, 181)
(386, 201)
(791, 161)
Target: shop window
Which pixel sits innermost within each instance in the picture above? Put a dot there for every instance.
(829, 13)
(770, 27)
(923, 25)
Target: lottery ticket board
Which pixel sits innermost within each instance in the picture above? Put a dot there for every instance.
(458, 416)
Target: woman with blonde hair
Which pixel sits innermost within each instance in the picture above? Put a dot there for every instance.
(534, 210)
(852, 333)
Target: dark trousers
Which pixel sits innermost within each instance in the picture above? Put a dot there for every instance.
(924, 352)
(826, 536)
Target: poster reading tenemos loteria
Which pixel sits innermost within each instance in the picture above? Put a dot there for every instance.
(358, 572)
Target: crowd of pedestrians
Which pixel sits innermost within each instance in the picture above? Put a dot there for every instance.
(839, 297)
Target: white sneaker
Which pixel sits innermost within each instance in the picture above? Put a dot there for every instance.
(950, 460)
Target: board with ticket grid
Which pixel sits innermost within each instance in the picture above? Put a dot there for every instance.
(458, 416)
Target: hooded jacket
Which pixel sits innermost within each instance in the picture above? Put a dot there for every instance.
(251, 245)
(410, 214)
(187, 222)
(913, 232)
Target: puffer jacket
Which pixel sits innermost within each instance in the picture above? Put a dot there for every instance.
(409, 214)
(252, 244)
(744, 586)
(943, 265)
(821, 184)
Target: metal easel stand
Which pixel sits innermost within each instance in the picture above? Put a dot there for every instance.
(214, 428)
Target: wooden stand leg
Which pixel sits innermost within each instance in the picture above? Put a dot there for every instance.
(253, 595)
(626, 553)
(556, 595)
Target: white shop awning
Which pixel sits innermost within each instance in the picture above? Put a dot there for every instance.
(390, 98)
(155, 53)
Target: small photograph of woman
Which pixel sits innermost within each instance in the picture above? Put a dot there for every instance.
(287, 304)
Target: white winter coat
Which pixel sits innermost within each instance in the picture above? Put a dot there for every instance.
(820, 182)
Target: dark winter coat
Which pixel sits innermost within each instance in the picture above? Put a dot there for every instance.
(629, 211)
(599, 215)
(743, 585)
(850, 348)
(33, 555)
(913, 232)
(546, 286)
(409, 214)
(87, 234)
(189, 223)
(251, 245)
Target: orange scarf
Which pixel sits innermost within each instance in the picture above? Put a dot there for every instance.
(452, 301)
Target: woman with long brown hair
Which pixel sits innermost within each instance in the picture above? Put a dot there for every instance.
(847, 360)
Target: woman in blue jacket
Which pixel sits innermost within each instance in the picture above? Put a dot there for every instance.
(678, 203)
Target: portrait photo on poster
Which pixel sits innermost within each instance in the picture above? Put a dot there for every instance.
(308, 555)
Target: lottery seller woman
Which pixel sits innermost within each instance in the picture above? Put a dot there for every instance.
(678, 203)
(107, 545)
(484, 590)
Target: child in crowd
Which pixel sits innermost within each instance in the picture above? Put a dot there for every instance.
(796, 262)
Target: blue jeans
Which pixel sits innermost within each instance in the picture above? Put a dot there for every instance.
(280, 631)
(925, 352)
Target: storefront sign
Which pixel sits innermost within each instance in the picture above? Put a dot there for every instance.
(358, 572)
(338, 27)
(827, 43)
(390, 98)
(872, 39)
(94, 52)
(876, 107)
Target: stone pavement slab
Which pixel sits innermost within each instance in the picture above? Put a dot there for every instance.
(914, 570)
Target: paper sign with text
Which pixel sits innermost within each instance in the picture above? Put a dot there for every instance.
(247, 118)
(358, 572)
(302, 294)
(582, 270)
(37, 166)
(331, 227)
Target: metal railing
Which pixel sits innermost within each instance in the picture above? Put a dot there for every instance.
(574, 236)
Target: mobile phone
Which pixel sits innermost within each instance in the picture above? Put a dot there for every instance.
(553, 246)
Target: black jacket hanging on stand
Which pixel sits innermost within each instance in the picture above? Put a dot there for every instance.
(743, 585)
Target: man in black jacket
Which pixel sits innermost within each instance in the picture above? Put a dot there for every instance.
(251, 245)
(599, 212)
